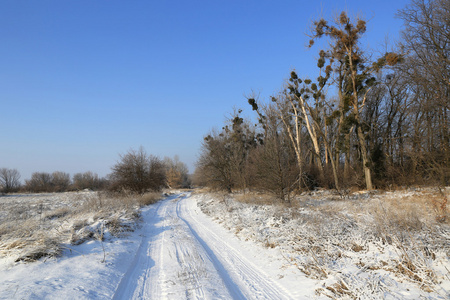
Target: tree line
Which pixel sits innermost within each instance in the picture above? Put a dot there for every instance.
(135, 172)
(357, 122)
(49, 182)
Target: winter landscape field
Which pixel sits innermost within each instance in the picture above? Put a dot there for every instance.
(199, 245)
(225, 149)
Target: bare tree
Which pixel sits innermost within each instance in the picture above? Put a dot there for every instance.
(274, 160)
(426, 40)
(60, 181)
(39, 182)
(86, 180)
(9, 180)
(355, 72)
(177, 173)
(138, 172)
(290, 115)
(224, 158)
(213, 164)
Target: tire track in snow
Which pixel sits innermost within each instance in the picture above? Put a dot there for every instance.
(232, 288)
(192, 274)
(234, 268)
(135, 277)
(169, 262)
(179, 257)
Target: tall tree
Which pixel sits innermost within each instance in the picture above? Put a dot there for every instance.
(354, 73)
(426, 39)
(273, 160)
(290, 115)
(224, 155)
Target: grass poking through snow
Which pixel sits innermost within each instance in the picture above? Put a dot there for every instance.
(33, 226)
(366, 246)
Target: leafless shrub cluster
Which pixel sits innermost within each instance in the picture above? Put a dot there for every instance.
(87, 180)
(43, 182)
(138, 172)
(9, 180)
(177, 173)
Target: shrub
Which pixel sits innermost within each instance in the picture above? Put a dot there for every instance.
(138, 172)
(9, 180)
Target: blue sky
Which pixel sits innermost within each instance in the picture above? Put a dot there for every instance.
(82, 81)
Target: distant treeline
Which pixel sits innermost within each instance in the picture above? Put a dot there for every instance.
(136, 172)
(357, 122)
(50, 182)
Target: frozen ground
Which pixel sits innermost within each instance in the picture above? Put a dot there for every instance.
(210, 246)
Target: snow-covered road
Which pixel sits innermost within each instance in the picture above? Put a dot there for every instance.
(181, 256)
(177, 253)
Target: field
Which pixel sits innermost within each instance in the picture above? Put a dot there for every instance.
(43, 225)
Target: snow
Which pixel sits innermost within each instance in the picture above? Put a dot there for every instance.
(177, 253)
(343, 244)
(195, 246)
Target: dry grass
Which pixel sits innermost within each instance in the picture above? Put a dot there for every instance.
(37, 226)
(148, 198)
(257, 198)
(409, 223)
(57, 213)
(404, 233)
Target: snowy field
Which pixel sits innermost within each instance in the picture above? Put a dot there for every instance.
(42, 225)
(217, 246)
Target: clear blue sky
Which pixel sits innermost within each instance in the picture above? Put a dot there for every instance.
(82, 81)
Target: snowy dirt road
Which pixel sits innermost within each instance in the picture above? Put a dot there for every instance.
(181, 257)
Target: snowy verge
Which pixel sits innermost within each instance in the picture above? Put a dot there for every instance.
(370, 246)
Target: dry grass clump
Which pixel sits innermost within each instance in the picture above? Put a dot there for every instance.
(57, 213)
(257, 198)
(428, 205)
(38, 226)
(42, 247)
(405, 223)
(200, 190)
(148, 198)
(117, 227)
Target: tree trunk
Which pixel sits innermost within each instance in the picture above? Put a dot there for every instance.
(362, 144)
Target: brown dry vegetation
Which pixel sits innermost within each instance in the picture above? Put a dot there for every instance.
(404, 233)
(37, 226)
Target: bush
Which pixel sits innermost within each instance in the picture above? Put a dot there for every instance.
(87, 180)
(60, 181)
(138, 172)
(9, 180)
(39, 182)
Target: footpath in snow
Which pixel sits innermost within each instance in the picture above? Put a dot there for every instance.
(178, 253)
